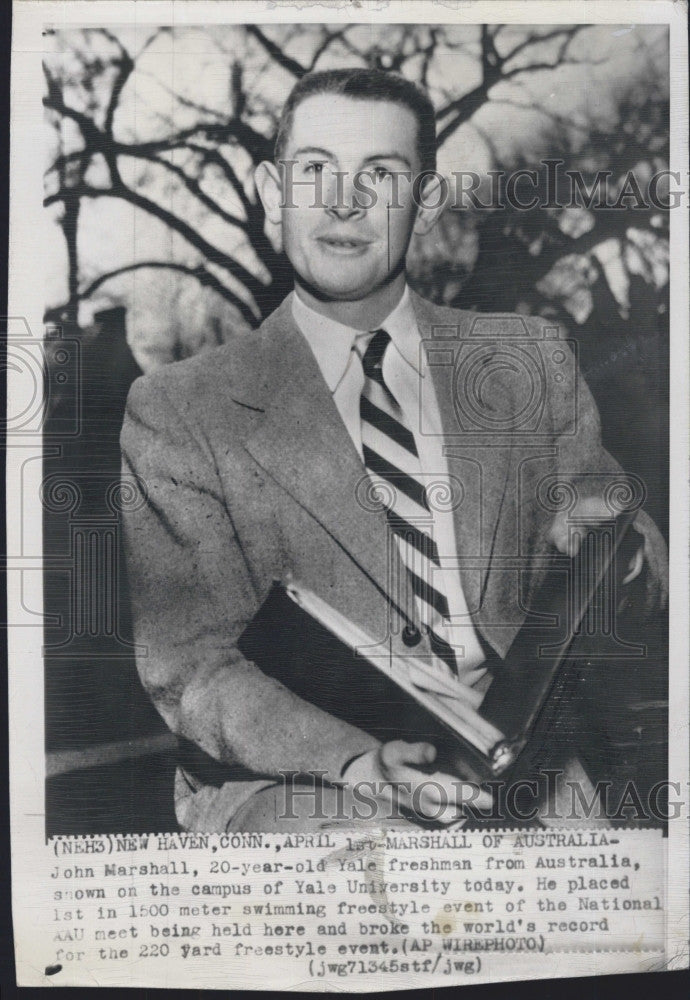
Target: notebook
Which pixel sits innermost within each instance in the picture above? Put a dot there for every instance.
(310, 647)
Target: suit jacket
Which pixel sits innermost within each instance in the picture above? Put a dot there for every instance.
(249, 475)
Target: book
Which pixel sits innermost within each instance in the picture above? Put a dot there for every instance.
(302, 641)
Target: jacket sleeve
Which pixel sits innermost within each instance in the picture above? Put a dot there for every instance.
(576, 422)
(583, 460)
(192, 596)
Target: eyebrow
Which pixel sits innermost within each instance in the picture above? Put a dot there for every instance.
(314, 149)
(388, 156)
(375, 157)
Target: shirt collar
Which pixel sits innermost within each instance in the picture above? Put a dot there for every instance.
(332, 342)
(401, 325)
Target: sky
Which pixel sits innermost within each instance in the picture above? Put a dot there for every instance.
(182, 70)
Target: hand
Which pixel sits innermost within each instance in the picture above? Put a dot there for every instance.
(652, 553)
(589, 510)
(402, 773)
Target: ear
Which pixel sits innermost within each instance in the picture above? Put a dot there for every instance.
(269, 189)
(432, 201)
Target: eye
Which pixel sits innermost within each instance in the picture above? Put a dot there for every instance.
(314, 167)
(380, 173)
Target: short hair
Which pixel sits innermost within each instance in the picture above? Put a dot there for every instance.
(365, 85)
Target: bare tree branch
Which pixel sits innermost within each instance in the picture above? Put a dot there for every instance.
(125, 66)
(209, 145)
(186, 102)
(552, 116)
(55, 102)
(252, 226)
(195, 188)
(257, 145)
(494, 72)
(462, 110)
(428, 52)
(212, 131)
(147, 151)
(548, 36)
(276, 52)
(162, 30)
(214, 254)
(200, 273)
(537, 66)
(330, 37)
(67, 159)
(213, 156)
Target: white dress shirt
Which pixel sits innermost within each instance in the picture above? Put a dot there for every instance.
(333, 346)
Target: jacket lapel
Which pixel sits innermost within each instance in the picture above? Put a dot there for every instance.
(483, 526)
(302, 440)
(304, 446)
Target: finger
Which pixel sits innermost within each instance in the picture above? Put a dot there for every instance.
(635, 566)
(656, 596)
(592, 510)
(558, 534)
(661, 573)
(473, 795)
(657, 579)
(562, 537)
(434, 807)
(398, 753)
(653, 597)
(473, 676)
(435, 798)
(451, 814)
(427, 795)
(409, 777)
(589, 510)
(443, 790)
(664, 594)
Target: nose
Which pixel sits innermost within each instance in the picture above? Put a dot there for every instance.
(341, 198)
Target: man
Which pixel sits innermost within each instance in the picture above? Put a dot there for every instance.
(256, 460)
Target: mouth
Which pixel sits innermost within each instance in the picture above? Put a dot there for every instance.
(342, 245)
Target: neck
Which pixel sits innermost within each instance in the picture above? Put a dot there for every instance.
(362, 314)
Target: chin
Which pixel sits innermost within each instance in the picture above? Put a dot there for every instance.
(347, 294)
(339, 290)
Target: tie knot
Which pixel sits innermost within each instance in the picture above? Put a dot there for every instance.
(372, 358)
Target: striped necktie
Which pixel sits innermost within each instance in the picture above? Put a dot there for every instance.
(391, 459)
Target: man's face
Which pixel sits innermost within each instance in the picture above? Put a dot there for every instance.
(344, 245)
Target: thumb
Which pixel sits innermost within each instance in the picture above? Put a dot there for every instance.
(559, 535)
(420, 753)
(398, 752)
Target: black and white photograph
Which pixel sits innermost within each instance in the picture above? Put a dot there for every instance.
(348, 413)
